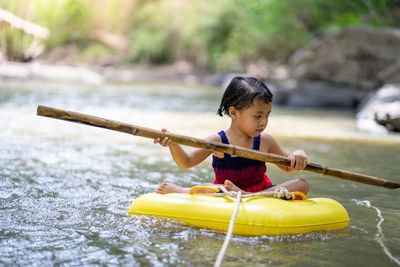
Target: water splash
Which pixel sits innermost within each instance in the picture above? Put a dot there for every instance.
(379, 235)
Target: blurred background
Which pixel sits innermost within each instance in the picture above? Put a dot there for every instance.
(227, 36)
(65, 189)
(313, 53)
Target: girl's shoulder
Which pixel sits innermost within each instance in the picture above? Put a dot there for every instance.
(214, 138)
(267, 142)
(266, 137)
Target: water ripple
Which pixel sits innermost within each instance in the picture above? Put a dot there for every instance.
(65, 189)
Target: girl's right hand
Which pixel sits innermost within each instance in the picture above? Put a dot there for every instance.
(164, 142)
(219, 154)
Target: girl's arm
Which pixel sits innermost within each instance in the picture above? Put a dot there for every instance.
(298, 160)
(183, 159)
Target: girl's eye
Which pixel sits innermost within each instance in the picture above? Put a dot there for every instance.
(258, 116)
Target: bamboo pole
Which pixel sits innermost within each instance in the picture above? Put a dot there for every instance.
(214, 146)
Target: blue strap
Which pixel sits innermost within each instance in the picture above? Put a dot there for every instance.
(224, 140)
(256, 143)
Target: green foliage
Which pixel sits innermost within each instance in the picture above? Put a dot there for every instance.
(223, 35)
(228, 34)
(93, 52)
(266, 29)
(67, 20)
(320, 15)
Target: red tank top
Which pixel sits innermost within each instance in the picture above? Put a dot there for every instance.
(248, 174)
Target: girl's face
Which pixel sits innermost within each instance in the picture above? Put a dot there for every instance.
(253, 120)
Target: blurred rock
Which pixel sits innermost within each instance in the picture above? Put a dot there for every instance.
(380, 111)
(343, 67)
(390, 74)
(318, 94)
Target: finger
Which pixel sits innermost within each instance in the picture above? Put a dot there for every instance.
(157, 140)
(164, 141)
(299, 164)
(292, 161)
(302, 163)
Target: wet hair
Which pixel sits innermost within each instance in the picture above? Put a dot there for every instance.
(242, 92)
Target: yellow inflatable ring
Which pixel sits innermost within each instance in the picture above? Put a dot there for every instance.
(257, 215)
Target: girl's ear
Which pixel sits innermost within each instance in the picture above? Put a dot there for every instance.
(232, 112)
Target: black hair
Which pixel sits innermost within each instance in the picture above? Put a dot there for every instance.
(241, 93)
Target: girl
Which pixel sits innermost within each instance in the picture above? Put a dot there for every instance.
(248, 102)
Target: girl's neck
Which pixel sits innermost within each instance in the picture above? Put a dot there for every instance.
(238, 138)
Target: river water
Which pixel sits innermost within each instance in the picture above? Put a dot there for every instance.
(65, 188)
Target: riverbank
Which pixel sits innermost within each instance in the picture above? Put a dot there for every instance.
(94, 74)
(184, 73)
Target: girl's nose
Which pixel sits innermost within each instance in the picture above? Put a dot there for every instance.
(264, 122)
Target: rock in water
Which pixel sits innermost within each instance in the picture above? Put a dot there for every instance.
(380, 111)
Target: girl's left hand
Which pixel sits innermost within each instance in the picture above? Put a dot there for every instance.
(298, 160)
(165, 142)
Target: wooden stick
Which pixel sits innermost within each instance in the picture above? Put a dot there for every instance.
(214, 146)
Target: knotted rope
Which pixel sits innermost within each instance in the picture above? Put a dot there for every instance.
(279, 192)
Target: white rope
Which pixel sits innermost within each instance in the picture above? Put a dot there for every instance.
(379, 236)
(228, 237)
(277, 193)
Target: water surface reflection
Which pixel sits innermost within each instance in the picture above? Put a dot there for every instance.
(65, 188)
